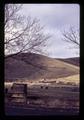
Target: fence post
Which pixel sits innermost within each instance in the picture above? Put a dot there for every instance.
(25, 92)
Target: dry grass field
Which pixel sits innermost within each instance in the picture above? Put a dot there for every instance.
(51, 83)
(34, 66)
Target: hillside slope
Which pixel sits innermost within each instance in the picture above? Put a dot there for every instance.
(35, 66)
(74, 61)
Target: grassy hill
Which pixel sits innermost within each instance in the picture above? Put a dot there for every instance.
(35, 66)
(70, 79)
(74, 61)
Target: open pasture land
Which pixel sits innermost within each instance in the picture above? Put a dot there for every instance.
(48, 96)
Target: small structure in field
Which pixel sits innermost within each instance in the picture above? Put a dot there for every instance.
(19, 88)
(19, 92)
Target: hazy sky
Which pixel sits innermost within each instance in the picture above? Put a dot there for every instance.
(56, 18)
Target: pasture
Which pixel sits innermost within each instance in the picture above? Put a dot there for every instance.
(46, 95)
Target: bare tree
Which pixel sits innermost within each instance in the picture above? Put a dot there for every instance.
(22, 34)
(72, 36)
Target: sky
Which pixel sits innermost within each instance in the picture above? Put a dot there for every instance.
(56, 18)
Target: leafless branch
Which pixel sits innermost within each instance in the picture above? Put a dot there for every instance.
(72, 36)
(21, 33)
